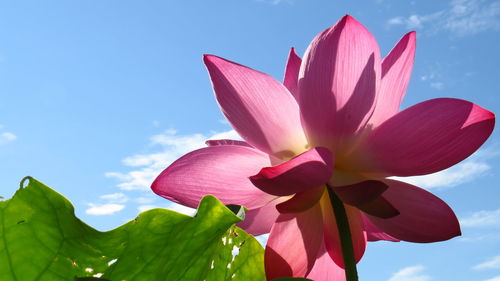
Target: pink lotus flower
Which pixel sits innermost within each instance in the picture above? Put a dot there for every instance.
(333, 123)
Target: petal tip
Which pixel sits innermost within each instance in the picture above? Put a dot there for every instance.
(209, 59)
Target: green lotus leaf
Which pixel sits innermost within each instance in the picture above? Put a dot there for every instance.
(41, 239)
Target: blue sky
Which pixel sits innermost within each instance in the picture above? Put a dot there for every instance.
(97, 97)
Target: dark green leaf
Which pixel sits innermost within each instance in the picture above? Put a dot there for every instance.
(41, 239)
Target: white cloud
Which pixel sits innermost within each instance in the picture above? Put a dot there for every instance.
(482, 219)
(411, 273)
(463, 17)
(496, 278)
(493, 263)
(171, 206)
(181, 209)
(149, 166)
(115, 197)
(414, 21)
(481, 238)
(103, 209)
(145, 199)
(144, 208)
(456, 175)
(437, 85)
(7, 137)
(474, 167)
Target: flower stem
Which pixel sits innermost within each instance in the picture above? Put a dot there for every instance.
(339, 212)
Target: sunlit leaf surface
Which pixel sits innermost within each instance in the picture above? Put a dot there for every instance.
(41, 239)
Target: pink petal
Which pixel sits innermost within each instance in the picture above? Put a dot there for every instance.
(396, 72)
(380, 207)
(222, 171)
(332, 238)
(374, 233)
(259, 221)
(338, 83)
(307, 170)
(259, 108)
(360, 193)
(226, 142)
(302, 201)
(325, 268)
(366, 196)
(425, 138)
(423, 217)
(293, 244)
(292, 73)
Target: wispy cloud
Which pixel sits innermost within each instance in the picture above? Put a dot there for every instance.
(493, 263)
(103, 209)
(149, 165)
(482, 219)
(434, 75)
(462, 18)
(481, 238)
(115, 197)
(171, 206)
(411, 273)
(474, 167)
(144, 168)
(437, 85)
(496, 278)
(110, 204)
(6, 137)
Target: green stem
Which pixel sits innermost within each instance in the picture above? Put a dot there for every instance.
(351, 273)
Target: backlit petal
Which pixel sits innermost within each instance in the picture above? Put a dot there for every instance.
(293, 244)
(260, 220)
(374, 233)
(338, 83)
(302, 201)
(360, 193)
(222, 171)
(325, 268)
(259, 108)
(292, 73)
(332, 238)
(396, 72)
(423, 217)
(307, 170)
(425, 138)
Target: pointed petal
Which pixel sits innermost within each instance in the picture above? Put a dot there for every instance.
(307, 170)
(396, 72)
(374, 233)
(302, 230)
(259, 108)
(301, 201)
(425, 138)
(332, 238)
(222, 171)
(423, 217)
(338, 83)
(325, 268)
(292, 73)
(226, 142)
(259, 221)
